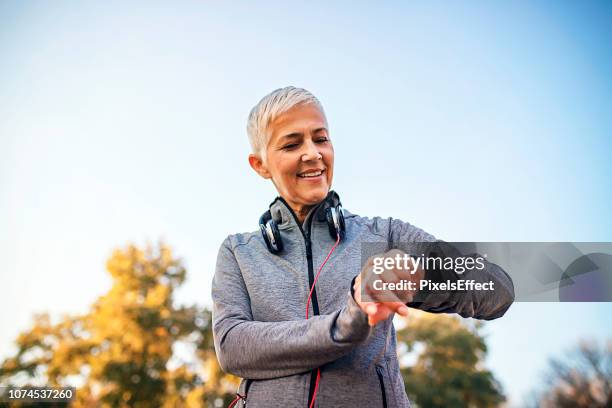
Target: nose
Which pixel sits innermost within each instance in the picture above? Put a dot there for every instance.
(311, 152)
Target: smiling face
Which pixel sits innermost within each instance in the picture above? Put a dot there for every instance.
(299, 158)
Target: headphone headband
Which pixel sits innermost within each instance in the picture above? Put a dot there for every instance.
(332, 213)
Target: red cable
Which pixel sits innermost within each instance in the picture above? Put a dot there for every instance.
(238, 398)
(319, 272)
(314, 394)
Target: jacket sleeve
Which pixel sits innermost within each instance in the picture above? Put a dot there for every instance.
(485, 305)
(262, 350)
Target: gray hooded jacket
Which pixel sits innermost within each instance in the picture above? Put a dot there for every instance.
(259, 326)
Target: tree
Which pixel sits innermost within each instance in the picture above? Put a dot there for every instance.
(582, 379)
(123, 351)
(448, 368)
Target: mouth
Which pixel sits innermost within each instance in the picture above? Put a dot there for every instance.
(311, 174)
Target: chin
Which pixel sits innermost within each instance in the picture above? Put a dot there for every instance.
(317, 195)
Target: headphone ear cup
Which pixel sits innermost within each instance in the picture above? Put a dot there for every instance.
(277, 243)
(271, 236)
(270, 233)
(335, 222)
(342, 229)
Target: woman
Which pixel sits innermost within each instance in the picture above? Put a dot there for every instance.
(299, 337)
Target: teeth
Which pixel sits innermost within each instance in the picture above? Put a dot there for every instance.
(312, 174)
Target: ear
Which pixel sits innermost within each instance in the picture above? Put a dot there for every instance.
(259, 166)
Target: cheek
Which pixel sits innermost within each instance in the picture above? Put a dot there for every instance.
(329, 160)
(286, 169)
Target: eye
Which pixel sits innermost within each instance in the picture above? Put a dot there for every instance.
(289, 146)
(321, 139)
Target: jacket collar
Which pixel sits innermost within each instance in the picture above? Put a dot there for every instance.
(284, 216)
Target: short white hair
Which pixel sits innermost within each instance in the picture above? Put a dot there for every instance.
(269, 108)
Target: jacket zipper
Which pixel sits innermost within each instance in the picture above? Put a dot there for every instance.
(382, 385)
(315, 303)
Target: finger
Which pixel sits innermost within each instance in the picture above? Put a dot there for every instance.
(398, 307)
(390, 300)
(382, 314)
(371, 308)
(376, 312)
(379, 311)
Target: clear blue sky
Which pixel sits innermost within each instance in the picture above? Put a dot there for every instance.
(481, 121)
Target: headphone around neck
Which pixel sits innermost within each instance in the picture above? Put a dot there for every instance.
(333, 215)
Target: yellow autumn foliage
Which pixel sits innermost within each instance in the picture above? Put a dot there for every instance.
(122, 350)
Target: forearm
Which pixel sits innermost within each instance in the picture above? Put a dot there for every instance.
(480, 304)
(261, 350)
